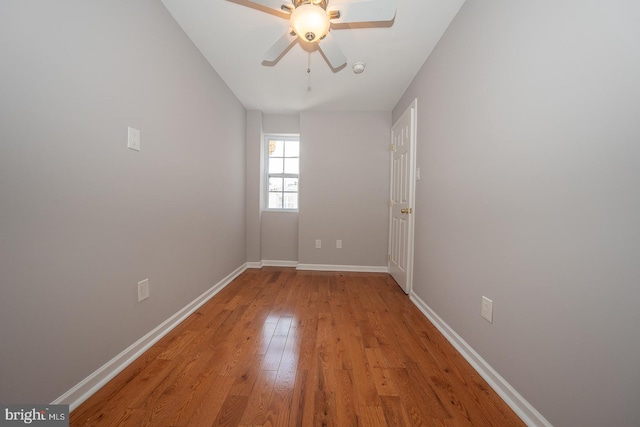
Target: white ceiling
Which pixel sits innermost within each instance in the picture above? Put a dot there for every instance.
(233, 36)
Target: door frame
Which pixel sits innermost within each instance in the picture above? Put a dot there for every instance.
(412, 109)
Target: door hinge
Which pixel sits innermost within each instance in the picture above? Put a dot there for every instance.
(393, 147)
(389, 257)
(390, 203)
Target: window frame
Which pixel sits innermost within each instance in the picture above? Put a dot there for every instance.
(265, 161)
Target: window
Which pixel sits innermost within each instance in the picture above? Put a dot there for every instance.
(282, 153)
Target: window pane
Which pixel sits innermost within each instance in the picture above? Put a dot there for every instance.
(276, 148)
(275, 200)
(275, 184)
(290, 200)
(291, 166)
(291, 184)
(275, 165)
(282, 164)
(292, 148)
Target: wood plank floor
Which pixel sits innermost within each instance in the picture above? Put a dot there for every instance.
(292, 348)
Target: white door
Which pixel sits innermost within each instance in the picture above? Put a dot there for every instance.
(402, 198)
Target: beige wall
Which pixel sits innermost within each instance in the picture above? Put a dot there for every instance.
(344, 187)
(83, 218)
(528, 144)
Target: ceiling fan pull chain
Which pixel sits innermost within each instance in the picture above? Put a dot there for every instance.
(309, 72)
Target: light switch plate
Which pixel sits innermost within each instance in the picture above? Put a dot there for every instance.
(318, 244)
(133, 138)
(487, 309)
(143, 290)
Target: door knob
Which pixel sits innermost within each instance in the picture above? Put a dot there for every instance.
(404, 211)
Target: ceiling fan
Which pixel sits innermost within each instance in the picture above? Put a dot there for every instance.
(311, 21)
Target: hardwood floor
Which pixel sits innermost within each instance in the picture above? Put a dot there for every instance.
(295, 348)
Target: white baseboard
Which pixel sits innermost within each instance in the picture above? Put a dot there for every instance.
(529, 415)
(254, 264)
(271, 263)
(318, 267)
(85, 388)
(356, 268)
(279, 263)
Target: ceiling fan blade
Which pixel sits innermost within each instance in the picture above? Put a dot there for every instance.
(280, 46)
(363, 10)
(277, 5)
(332, 51)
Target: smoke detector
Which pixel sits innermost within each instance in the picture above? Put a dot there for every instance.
(358, 68)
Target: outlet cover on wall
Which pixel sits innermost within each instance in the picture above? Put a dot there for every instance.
(143, 290)
(487, 309)
(339, 244)
(133, 138)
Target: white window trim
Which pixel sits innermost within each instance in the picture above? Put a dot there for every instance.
(265, 165)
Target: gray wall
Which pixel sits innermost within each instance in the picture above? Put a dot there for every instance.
(83, 218)
(271, 236)
(279, 234)
(279, 230)
(281, 123)
(344, 187)
(253, 194)
(529, 148)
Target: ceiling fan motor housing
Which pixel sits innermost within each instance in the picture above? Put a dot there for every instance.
(321, 3)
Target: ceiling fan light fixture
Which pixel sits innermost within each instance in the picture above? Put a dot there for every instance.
(310, 22)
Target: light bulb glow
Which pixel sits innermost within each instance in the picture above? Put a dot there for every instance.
(310, 22)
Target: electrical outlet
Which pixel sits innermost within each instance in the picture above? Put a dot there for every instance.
(133, 138)
(143, 290)
(339, 244)
(318, 244)
(487, 309)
